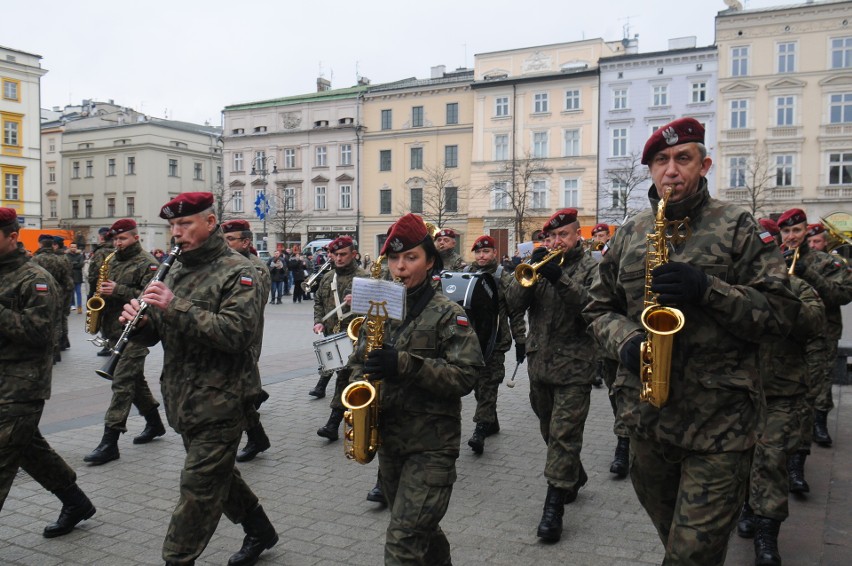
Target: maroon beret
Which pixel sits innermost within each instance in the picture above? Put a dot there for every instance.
(186, 204)
(448, 232)
(560, 218)
(406, 233)
(770, 226)
(539, 234)
(235, 226)
(683, 130)
(484, 242)
(121, 226)
(600, 228)
(792, 217)
(339, 243)
(8, 217)
(815, 229)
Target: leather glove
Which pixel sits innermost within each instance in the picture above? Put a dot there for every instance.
(382, 363)
(538, 254)
(631, 353)
(520, 353)
(551, 271)
(678, 283)
(800, 266)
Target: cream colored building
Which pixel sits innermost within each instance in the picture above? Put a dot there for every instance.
(785, 107)
(20, 174)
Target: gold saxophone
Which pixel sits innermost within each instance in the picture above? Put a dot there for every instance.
(660, 322)
(361, 438)
(96, 303)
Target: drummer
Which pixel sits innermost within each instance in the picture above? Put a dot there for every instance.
(332, 314)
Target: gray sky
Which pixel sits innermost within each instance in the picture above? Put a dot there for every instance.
(191, 58)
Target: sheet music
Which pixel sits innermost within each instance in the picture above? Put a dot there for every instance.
(366, 289)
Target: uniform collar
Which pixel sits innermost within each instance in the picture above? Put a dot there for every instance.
(212, 248)
(13, 260)
(688, 207)
(130, 251)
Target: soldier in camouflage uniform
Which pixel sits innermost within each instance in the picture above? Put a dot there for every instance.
(445, 241)
(206, 313)
(130, 270)
(487, 385)
(28, 315)
(60, 268)
(99, 254)
(690, 460)
(67, 297)
(428, 363)
(561, 368)
(238, 236)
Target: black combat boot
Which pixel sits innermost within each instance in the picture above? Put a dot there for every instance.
(766, 541)
(571, 494)
(329, 431)
(105, 351)
(107, 450)
(64, 344)
(376, 495)
(550, 527)
(621, 462)
(821, 435)
(76, 507)
(260, 536)
(319, 389)
(745, 524)
(477, 439)
(491, 428)
(796, 472)
(261, 399)
(153, 428)
(257, 442)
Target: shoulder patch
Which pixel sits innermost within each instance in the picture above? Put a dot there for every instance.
(41, 287)
(605, 249)
(766, 237)
(246, 280)
(462, 321)
(153, 267)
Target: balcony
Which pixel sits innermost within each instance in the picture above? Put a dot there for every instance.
(834, 192)
(739, 134)
(836, 130)
(784, 132)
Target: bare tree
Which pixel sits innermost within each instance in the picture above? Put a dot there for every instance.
(757, 182)
(440, 196)
(285, 215)
(223, 196)
(513, 184)
(81, 232)
(626, 183)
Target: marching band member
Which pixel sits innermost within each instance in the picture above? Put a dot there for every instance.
(99, 253)
(817, 238)
(60, 268)
(600, 236)
(445, 241)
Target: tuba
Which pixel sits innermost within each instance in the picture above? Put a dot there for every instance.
(660, 322)
(96, 303)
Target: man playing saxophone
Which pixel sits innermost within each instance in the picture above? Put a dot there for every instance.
(690, 459)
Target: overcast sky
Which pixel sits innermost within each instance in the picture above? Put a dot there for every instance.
(188, 59)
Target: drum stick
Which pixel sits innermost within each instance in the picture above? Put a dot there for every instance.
(511, 382)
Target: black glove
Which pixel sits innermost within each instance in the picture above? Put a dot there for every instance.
(382, 363)
(551, 271)
(800, 266)
(520, 353)
(538, 254)
(678, 283)
(631, 353)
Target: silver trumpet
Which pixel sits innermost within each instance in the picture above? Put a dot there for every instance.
(311, 284)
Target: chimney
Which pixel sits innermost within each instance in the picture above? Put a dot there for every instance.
(438, 71)
(323, 84)
(631, 46)
(363, 81)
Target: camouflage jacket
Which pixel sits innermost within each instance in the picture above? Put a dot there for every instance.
(832, 279)
(58, 266)
(452, 260)
(715, 394)
(512, 323)
(130, 269)
(564, 351)
(324, 299)
(439, 359)
(264, 286)
(97, 259)
(208, 331)
(28, 315)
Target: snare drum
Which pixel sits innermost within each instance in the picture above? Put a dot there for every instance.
(333, 351)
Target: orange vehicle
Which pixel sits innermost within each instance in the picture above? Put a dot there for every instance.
(29, 236)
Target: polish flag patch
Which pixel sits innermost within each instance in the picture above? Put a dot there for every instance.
(246, 280)
(462, 321)
(153, 267)
(41, 287)
(605, 249)
(767, 238)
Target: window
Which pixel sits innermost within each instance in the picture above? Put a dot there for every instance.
(88, 208)
(739, 114)
(452, 113)
(89, 168)
(387, 119)
(290, 158)
(699, 92)
(417, 201)
(572, 100)
(345, 197)
(540, 102)
(51, 174)
(11, 90)
(51, 147)
(451, 199)
(54, 210)
(218, 173)
(501, 106)
(539, 195)
(11, 186)
(259, 162)
(501, 147)
(75, 208)
(572, 143)
(75, 169)
(237, 201)
(841, 53)
(131, 165)
(540, 145)
(784, 111)
(619, 193)
(451, 156)
(131, 206)
(739, 61)
(783, 170)
(840, 168)
(660, 95)
(346, 154)
(737, 170)
(619, 142)
(321, 156)
(417, 117)
(173, 170)
(111, 206)
(11, 131)
(384, 201)
(238, 161)
(290, 198)
(385, 160)
(619, 99)
(319, 198)
(111, 169)
(417, 158)
(570, 192)
(500, 196)
(787, 57)
(840, 108)
(196, 172)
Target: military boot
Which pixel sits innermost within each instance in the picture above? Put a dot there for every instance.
(796, 472)
(153, 428)
(107, 450)
(329, 431)
(745, 524)
(821, 435)
(260, 536)
(319, 389)
(376, 495)
(477, 439)
(261, 399)
(766, 541)
(550, 527)
(257, 442)
(491, 428)
(571, 494)
(76, 508)
(621, 462)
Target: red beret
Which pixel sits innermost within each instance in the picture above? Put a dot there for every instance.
(406, 233)
(121, 226)
(600, 228)
(339, 243)
(8, 217)
(448, 232)
(683, 130)
(815, 229)
(770, 226)
(484, 242)
(235, 226)
(792, 217)
(560, 218)
(186, 204)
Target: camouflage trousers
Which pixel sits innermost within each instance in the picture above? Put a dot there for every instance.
(693, 499)
(210, 485)
(23, 446)
(340, 384)
(823, 401)
(129, 388)
(561, 412)
(66, 310)
(781, 435)
(607, 369)
(486, 387)
(418, 489)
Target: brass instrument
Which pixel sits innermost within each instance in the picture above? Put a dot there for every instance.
(660, 322)
(310, 284)
(836, 232)
(527, 273)
(96, 303)
(792, 269)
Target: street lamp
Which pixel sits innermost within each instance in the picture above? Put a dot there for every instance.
(260, 168)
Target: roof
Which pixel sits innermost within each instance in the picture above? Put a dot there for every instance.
(413, 82)
(336, 94)
(809, 4)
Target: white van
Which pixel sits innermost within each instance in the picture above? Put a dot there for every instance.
(315, 246)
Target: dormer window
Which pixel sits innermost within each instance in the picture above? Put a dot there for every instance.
(260, 129)
(238, 131)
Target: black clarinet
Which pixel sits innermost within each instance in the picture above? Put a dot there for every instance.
(107, 371)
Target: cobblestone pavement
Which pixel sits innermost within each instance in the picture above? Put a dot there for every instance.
(316, 498)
